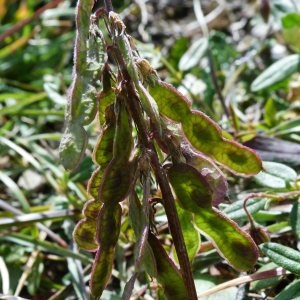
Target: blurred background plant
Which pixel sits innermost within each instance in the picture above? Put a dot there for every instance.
(237, 62)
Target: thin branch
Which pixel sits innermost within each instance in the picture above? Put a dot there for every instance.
(24, 22)
(108, 6)
(202, 22)
(169, 201)
(244, 279)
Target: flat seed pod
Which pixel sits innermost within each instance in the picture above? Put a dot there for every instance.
(116, 181)
(168, 274)
(194, 195)
(170, 102)
(84, 233)
(108, 231)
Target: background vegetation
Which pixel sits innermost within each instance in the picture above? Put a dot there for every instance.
(248, 75)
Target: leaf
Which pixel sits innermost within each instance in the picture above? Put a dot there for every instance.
(236, 211)
(277, 72)
(295, 219)
(167, 273)
(291, 30)
(32, 242)
(101, 271)
(194, 196)
(276, 150)
(34, 279)
(72, 146)
(275, 175)
(123, 141)
(193, 55)
(291, 292)
(86, 107)
(205, 282)
(283, 256)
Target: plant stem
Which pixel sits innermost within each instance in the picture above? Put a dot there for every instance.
(244, 279)
(135, 109)
(17, 27)
(108, 6)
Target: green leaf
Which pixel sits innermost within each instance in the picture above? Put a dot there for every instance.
(123, 141)
(72, 146)
(295, 219)
(283, 256)
(149, 105)
(236, 211)
(205, 282)
(277, 72)
(101, 271)
(193, 55)
(168, 274)
(291, 30)
(34, 279)
(275, 175)
(291, 292)
(86, 107)
(193, 195)
(32, 242)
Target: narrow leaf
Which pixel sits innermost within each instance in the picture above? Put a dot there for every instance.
(295, 219)
(283, 256)
(275, 175)
(292, 291)
(277, 72)
(192, 56)
(236, 211)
